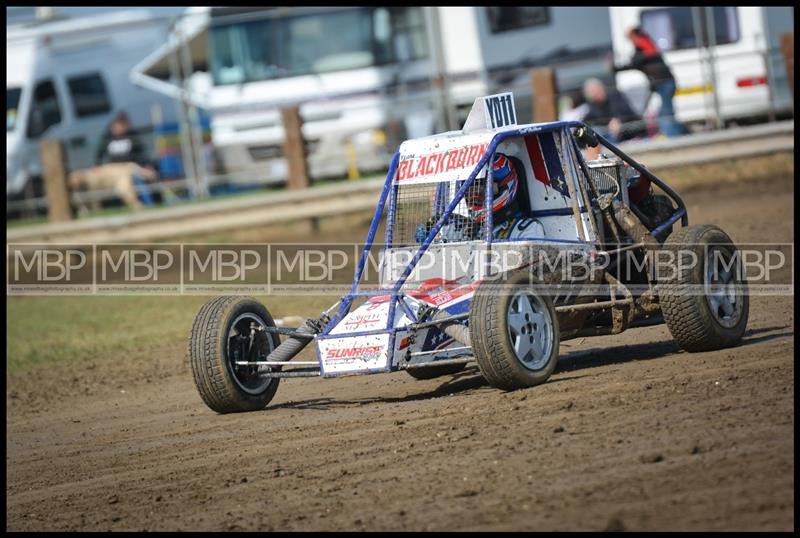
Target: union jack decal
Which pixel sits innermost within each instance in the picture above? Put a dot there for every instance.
(546, 162)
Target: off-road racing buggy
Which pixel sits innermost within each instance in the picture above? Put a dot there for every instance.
(589, 249)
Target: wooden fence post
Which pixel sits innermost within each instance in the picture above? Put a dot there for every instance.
(545, 95)
(787, 46)
(55, 181)
(294, 148)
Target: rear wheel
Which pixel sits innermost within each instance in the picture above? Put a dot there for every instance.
(227, 332)
(704, 296)
(514, 332)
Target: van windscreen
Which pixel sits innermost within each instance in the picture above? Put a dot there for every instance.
(12, 103)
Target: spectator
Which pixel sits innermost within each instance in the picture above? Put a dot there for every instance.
(119, 145)
(610, 113)
(572, 107)
(649, 61)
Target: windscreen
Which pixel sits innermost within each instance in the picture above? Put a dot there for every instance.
(264, 47)
(12, 104)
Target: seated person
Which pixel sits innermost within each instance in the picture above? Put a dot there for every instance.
(610, 114)
(504, 205)
(504, 199)
(120, 144)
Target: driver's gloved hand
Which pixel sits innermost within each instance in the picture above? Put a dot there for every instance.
(421, 232)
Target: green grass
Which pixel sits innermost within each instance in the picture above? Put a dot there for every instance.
(31, 221)
(46, 329)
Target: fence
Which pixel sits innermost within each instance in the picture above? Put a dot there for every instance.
(352, 197)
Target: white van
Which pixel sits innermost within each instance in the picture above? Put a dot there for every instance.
(66, 80)
(716, 54)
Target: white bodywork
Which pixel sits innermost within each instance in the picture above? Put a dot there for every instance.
(447, 274)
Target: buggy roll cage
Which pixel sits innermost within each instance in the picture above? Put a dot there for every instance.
(571, 153)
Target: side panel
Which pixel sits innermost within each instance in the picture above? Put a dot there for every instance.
(354, 354)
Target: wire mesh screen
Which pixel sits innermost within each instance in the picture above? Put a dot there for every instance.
(419, 206)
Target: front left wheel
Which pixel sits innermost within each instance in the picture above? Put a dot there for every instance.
(514, 332)
(226, 333)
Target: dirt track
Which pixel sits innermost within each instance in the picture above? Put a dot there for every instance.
(629, 433)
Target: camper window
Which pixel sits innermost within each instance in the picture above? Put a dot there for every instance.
(504, 19)
(12, 103)
(45, 111)
(311, 43)
(89, 96)
(673, 28)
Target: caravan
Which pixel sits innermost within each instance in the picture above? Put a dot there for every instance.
(66, 80)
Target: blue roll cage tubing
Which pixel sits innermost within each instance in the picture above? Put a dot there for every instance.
(390, 186)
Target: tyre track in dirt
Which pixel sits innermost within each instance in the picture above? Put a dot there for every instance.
(629, 433)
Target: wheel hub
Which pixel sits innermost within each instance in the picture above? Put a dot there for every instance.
(248, 342)
(530, 329)
(721, 288)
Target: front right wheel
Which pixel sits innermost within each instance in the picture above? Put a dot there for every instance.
(514, 332)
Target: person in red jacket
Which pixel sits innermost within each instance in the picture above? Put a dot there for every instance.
(647, 59)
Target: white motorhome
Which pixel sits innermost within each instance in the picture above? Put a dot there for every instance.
(718, 56)
(358, 74)
(67, 79)
(339, 65)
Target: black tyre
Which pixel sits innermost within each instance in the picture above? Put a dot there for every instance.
(705, 304)
(514, 332)
(224, 333)
(431, 372)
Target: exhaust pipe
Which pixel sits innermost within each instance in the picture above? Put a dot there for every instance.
(294, 345)
(454, 330)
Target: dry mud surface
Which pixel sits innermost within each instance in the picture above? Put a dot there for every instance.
(629, 433)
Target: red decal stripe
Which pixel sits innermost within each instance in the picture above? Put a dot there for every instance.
(537, 159)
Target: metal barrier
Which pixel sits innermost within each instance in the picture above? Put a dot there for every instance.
(356, 196)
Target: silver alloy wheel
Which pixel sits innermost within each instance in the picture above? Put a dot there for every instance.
(721, 287)
(530, 329)
(247, 377)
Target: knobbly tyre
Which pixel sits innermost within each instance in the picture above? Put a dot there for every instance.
(501, 241)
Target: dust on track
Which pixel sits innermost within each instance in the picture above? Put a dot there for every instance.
(629, 433)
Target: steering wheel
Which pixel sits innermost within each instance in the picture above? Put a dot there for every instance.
(460, 223)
